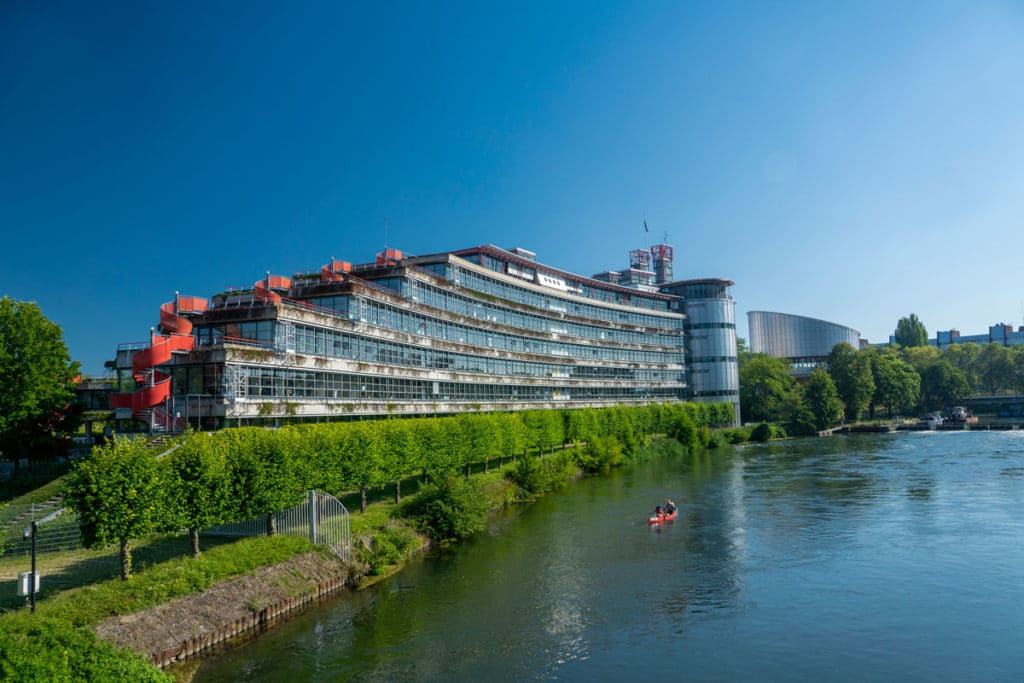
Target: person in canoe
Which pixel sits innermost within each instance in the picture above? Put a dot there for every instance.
(670, 507)
(658, 511)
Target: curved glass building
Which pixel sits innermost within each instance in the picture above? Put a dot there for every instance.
(712, 364)
(804, 342)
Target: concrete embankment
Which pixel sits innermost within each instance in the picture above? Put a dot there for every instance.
(186, 626)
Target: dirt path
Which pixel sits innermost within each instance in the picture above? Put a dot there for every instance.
(165, 627)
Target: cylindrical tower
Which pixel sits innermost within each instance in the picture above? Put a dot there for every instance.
(712, 365)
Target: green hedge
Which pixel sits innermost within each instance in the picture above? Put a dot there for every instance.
(246, 472)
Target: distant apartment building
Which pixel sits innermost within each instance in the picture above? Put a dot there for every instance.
(803, 342)
(476, 329)
(1001, 334)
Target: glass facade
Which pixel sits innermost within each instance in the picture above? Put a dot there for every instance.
(712, 362)
(804, 342)
(480, 329)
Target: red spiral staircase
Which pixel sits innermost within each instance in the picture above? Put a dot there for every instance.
(145, 403)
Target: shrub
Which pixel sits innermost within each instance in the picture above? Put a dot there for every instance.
(388, 547)
(453, 507)
(599, 454)
(539, 475)
(684, 431)
(762, 432)
(37, 648)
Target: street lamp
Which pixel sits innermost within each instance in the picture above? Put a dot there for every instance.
(29, 582)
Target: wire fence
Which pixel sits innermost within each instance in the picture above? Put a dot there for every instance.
(322, 518)
(56, 534)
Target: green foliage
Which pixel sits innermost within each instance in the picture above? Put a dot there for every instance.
(34, 648)
(897, 383)
(540, 475)
(263, 479)
(822, 399)
(685, 432)
(766, 386)
(599, 454)
(851, 371)
(911, 332)
(58, 644)
(388, 547)
(546, 429)
(199, 489)
(736, 435)
(762, 432)
(119, 494)
(942, 385)
(994, 368)
(454, 507)
(37, 377)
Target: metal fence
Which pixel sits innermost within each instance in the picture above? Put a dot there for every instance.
(56, 531)
(322, 518)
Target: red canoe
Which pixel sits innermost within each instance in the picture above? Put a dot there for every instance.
(659, 519)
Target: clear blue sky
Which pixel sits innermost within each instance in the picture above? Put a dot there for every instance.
(850, 161)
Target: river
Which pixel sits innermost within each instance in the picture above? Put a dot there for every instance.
(885, 557)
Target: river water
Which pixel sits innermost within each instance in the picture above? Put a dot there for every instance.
(889, 557)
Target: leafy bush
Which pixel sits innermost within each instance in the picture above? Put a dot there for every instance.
(388, 547)
(715, 439)
(600, 454)
(37, 648)
(684, 431)
(454, 507)
(762, 432)
(737, 434)
(540, 475)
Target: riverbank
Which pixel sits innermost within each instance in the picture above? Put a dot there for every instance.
(188, 625)
(220, 596)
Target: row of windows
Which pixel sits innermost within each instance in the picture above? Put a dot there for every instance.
(504, 290)
(390, 317)
(586, 290)
(284, 384)
(473, 308)
(330, 342)
(319, 341)
(710, 326)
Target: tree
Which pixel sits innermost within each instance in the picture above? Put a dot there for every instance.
(942, 385)
(993, 367)
(897, 383)
(964, 357)
(200, 486)
(37, 380)
(263, 478)
(851, 372)
(911, 332)
(1017, 369)
(765, 386)
(822, 399)
(119, 494)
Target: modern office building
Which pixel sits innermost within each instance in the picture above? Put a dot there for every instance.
(804, 342)
(711, 357)
(472, 330)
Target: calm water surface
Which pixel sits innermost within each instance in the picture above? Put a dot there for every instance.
(896, 557)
